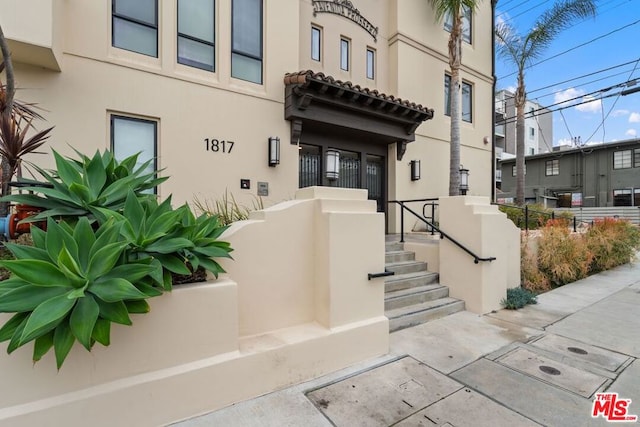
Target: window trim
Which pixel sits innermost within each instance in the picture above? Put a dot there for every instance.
(319, 30)
(189, 63)
(552, 167)
(622, 164)
(447, 27)
(246, 54)
(113, 116)
(115, 15)
(447, 109)
(371, 51)
(343, 41)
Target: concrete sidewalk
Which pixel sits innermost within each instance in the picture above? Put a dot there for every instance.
(540, 365)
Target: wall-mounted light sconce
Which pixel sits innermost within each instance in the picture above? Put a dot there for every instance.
(415, 170)
(464, 181)
(333, 164)
(274, 151)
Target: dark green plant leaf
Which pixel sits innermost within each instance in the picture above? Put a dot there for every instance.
(102, 332)
(28, 252)
(27, 298)
(67, 172)
(56, 238)
(83, 193)
(42, 345)
(15, 339)
(63, 340)
(114, 290)
(45, 317)
(115, 312)
(133, 272)
(138, 307)
(70, 268)
(133, 211)
(173, 264)
(83, 234)
(96, 176)
(212, 266)
(9, 285)
(36, 272)
(9, 328)
(148, 290)
(83, 318)
(39, 238)
(104, 259)
(212, 251)
(168, 246)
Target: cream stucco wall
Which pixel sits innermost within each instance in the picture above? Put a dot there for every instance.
(292, 306)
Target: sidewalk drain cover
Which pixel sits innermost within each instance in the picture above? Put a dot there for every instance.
(549, 370)
(577, 350)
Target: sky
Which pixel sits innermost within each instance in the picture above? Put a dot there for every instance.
(610, 56)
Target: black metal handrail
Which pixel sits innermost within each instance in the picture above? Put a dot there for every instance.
(552, 214)
(443, 235)
(376, 275)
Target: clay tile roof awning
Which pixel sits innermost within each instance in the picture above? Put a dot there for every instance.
(310, 80)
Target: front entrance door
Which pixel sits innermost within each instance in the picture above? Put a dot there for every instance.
(358, 169)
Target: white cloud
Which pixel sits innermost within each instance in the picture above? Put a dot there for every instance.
(565, 95)
(564, 141)
(618, 113)
(591, 105)
(634, 118)
(632, 133)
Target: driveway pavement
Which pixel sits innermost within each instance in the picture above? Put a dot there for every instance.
(540, 365)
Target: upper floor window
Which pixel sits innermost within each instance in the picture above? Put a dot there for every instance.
(371, 63)
(196, 33)
(532, 133)
(316, 43)
(344, 54)
(131, 135)
(552, 167)
(466, 24)
(135, 26)
(246, 40)
(636, 161)
(467, 95)
(514, 171)
(622, 159)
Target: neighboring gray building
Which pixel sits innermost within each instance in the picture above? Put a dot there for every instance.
(597, 175)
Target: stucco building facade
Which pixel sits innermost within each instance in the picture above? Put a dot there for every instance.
(201, 86)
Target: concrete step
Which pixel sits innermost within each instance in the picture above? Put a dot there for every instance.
(412, 296)
(409, 280)
(403, 267)
(397, 256)
(394, 246)
(413, 315)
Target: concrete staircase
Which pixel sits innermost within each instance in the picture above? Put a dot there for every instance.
(413, 295)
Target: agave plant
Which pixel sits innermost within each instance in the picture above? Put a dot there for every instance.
(79, 187)
(174, 241)
(71, 285)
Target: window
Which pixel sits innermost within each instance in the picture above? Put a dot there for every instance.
(344, 54)
(552, 167)
(130, 136)
(316, 37)
(196, 33)
(371, 63)
(246, 44)
(622, 197)
(513, 170)
(532, 133)
(466, 24)
(466, 99)
(636, 155)
(636, 197)
(135, 26)
(622, 159)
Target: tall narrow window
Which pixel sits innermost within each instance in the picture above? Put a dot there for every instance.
(344, 54)
(246, 44)
(467, 99)
(135, 26)
(466, 24)
(130, 136)
(196, 33)
(371, 63)
(622, 159)
(552, 167)
(316, 43)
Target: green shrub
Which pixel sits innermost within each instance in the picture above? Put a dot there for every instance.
(613, 242)
(518, 298)
(538, 215)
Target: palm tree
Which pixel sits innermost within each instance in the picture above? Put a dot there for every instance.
(522, 50)
(455, 9)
